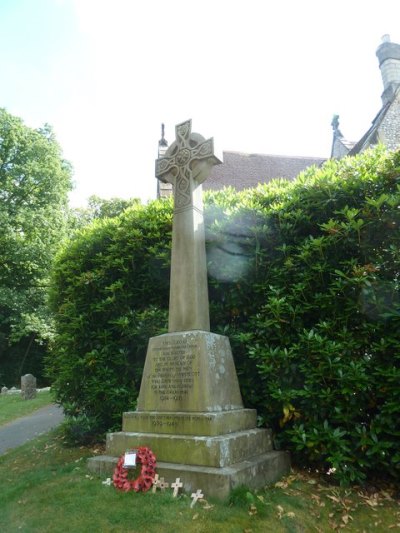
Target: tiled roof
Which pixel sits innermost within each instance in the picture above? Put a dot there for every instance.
(348, 144)
(242, 171)
(371, 136)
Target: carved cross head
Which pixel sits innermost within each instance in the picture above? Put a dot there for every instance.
(187, 163)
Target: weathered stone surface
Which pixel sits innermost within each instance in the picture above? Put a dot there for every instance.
(181, 423)
(28, 387)
(254, 473)
(102, 464)
(190, 371)
(220, 451)
(4, 390)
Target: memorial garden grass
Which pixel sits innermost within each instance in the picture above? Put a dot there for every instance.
(46, 487)
(12, 406)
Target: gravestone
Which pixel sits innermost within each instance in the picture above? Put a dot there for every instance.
(4, 390)
(28, 387)
(189, 409)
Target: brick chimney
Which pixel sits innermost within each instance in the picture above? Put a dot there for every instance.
(388, 54)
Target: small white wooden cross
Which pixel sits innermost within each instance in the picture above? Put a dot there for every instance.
(155, 483)
(196, 496)
(176, 486)
(162, 484)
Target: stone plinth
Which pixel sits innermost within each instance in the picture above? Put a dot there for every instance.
(191, 371)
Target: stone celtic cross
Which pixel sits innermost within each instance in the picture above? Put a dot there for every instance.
(186, 165)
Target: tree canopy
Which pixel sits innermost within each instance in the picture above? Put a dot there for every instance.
(98, 208)
(34, 185)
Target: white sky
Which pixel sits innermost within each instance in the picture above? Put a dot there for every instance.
(257, 75)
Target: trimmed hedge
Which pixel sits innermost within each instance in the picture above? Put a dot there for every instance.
(303, 278)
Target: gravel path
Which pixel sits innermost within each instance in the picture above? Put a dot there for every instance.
(19, 431)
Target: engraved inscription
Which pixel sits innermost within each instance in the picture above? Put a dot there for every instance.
(175, 367)
(171, 421)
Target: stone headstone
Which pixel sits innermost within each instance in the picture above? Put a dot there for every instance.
(28, 387)
(4, 390)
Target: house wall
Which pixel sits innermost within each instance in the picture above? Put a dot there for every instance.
(389, 129)
(339, 150)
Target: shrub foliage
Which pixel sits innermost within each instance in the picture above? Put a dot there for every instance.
(110, 293)
(304, 279)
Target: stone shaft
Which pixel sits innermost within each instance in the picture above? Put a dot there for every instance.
(254, 473)
(188, 307)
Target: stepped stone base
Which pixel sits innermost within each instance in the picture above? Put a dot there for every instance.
(214, 482)
(218, 451)
(190, 414)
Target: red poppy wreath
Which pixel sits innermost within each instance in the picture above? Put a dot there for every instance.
(147, 460)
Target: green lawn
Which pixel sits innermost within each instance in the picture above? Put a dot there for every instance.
(46, 488)
(12, 406)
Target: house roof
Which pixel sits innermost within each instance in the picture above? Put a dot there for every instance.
(242, 171)
(372, 136)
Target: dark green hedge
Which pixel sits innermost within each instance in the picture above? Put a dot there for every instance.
(109, 293)
(304, 279)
